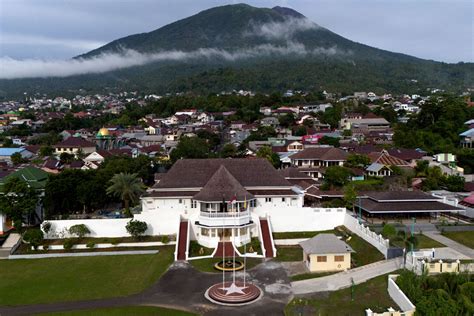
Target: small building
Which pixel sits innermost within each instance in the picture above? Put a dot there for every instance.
(74, 146)
(326, 252)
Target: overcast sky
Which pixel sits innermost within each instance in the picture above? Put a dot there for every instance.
(58, 29)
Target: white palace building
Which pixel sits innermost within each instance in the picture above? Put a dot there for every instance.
(229, 200)
(212, 200)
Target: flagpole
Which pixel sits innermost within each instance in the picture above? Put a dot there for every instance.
(233, 238)
(245, 244)
(223, 248)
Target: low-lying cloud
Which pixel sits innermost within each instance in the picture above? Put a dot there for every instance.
(31, 68)
(282, 30)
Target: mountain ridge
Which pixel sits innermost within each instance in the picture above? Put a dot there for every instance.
(260, 49)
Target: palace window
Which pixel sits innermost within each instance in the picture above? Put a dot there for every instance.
(283, 199)
(204, 231)
(253, 203)
(321, 259)
(268, 199)
(193, 204)
(180, 201)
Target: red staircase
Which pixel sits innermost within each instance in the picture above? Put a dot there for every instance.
(267, 241)
(225, 247)
(182, 240)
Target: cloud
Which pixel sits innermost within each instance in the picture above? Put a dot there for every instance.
(284, 30)
(30, 68)
(34, 40)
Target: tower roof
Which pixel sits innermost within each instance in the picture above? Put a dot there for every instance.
(222, 186)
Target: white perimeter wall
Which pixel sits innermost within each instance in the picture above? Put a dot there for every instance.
(292, 219)
(365, 233)
(2, 223)
(160, 222)
(399, 297)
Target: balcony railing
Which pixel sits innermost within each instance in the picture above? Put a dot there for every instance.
(224, 218)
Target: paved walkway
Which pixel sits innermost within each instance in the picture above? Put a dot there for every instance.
(344, 279)
(468, 252)
(8, 245)
(182, 287)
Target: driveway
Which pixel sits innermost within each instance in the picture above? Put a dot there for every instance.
(182, 287)
(344, 279)
(468, 252)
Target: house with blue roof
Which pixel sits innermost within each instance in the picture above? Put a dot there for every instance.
(467, 138)
(6, 153)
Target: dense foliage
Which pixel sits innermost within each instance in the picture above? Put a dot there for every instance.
(444, 294)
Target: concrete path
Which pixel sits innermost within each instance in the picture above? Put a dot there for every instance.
(344, 279)
(11, 241)
(468, 252)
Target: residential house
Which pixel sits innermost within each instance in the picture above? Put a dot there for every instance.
(74, 146)
(6, 153)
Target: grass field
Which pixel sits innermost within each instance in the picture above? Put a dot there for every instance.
(466, 237)
(365, 253)
(122, 311)
(289, 253)
(207, 265)
(294, 235)
(371, 294)
(34, 281)
(423, 242)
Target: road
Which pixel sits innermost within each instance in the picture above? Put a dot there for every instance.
(344, 279)
(468, 252)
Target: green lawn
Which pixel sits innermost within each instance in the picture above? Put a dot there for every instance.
(289, 253)
(119, 311)
(207, 265)
(34, 281)
(423, 242)
(371, 294)
(365, 253)
(294, 235)
(466, 237)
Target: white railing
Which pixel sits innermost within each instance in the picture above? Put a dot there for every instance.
(224, 218)
(224, 214)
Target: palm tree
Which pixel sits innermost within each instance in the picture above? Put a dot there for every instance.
(127, 187)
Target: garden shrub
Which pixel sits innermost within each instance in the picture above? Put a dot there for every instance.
(34, 237)
(68, 244)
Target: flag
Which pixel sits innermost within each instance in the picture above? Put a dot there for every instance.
(245, 203)
(233, 200)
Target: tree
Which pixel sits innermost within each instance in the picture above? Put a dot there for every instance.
(357, 161)
(336, 176)
(454, 183)
(287, 120)
(66, 158)
(136, 228)
(79, 230)
(34, 237)
(127, 187)
(190, 147)
(300, 131)
(389, 231)
(267, 153)
(18, 200)
(350, 196)
(46, 151)
(326, 140)
(229, 151)
(17, 159)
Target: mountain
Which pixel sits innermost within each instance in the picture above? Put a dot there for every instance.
(243, 47)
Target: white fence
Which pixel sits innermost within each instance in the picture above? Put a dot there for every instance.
(166, 223)
(399, 297)
(293, 219)
(365, 233)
